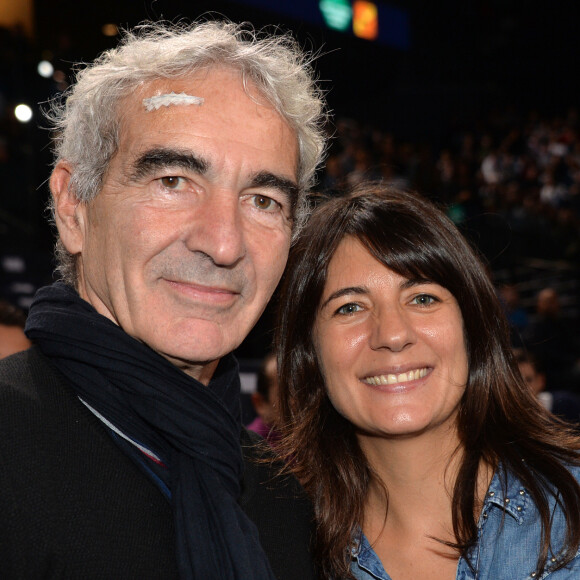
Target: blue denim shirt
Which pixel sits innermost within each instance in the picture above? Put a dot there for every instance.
(502, 552)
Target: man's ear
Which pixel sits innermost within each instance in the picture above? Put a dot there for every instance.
(67, 216)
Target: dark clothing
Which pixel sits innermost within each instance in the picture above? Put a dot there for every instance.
(73, 505)
(266, 431)
(191, 428)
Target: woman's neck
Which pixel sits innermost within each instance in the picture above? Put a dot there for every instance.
(419, 474)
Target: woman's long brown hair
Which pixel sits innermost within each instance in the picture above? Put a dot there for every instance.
(500, 422)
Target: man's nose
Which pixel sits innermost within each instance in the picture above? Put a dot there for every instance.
(218, 228)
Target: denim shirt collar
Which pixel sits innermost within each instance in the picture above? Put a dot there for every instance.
(507, 494)
(366, 557)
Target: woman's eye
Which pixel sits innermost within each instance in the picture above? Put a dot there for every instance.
(349, 308)
(265, 203)
(171, 181)
(424, 300)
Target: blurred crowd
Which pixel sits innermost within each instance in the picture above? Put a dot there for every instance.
(521, 168)
(24, 155)
(509, 179)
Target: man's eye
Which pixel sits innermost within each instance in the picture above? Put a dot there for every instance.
(349, 308)
(265, 203)
(171, 181)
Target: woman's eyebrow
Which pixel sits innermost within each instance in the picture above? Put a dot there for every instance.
(345, 292)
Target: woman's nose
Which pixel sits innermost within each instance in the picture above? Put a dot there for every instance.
(392, 330)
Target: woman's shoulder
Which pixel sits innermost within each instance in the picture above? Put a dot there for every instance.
(574, 470)
(572, 466)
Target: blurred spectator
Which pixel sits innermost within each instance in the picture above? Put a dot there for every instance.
(515, 313)
(12, 337)
(525, 169)
(554, 341)
(490, 168)
(561, 403)
(333, 175)
(552, 192)
(265, 400)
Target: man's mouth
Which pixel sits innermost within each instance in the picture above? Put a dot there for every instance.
(216, 294)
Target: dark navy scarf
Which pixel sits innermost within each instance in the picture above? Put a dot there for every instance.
(194, 429)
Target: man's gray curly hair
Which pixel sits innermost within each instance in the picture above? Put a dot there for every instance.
(86, 120)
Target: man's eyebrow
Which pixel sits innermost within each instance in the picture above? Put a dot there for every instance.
(154, 159)
(287, 186)
(344, 292)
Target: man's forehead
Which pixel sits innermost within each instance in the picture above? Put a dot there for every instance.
(195, 88)
(172, 98)
(182, 113)
(200, 95)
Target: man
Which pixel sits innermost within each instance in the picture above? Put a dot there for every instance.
(265, 401)
(182, 158)
(564, 404)
(553, 339)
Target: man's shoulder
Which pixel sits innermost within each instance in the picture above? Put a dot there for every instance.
(37, 406)
(68, 491)
(25, 377)
(21, 365)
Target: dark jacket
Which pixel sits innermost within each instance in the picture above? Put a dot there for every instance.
(73, 505)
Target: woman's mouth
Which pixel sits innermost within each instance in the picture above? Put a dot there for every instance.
(396, 378)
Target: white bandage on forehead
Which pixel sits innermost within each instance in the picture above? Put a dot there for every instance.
(153, 103)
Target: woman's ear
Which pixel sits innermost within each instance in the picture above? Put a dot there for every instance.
(67, 216)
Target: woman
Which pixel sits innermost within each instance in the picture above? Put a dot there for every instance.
(406, 418)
